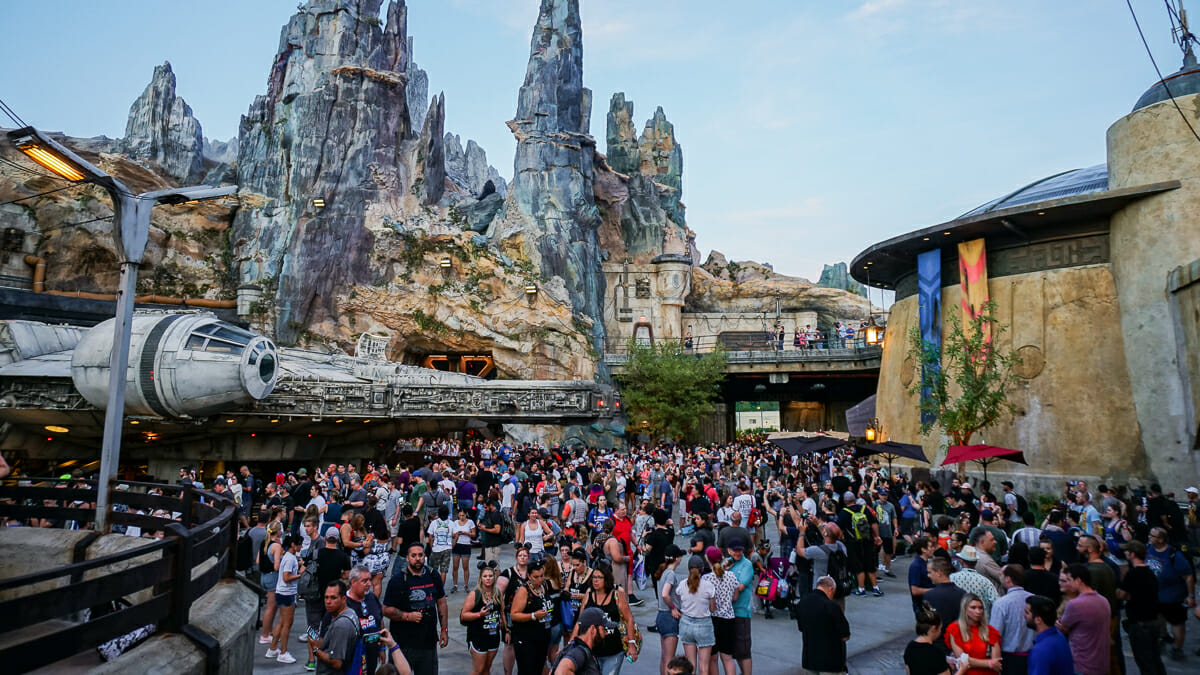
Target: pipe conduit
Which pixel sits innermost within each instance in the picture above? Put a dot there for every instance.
(39, 286)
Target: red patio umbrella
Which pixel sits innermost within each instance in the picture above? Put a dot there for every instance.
(982, 455)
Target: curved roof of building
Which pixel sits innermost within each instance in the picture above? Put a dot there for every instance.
(1182, 82)
(1065, 184)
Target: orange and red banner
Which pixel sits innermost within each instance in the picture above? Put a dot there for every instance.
(973, 281)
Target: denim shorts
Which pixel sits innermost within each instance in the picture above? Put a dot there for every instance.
(667, 625)
(697, 632)
(282, 600)
(269, 579)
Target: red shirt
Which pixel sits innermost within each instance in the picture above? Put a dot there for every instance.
(976, 647)
(623, 531)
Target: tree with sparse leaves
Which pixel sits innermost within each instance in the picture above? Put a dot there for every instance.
(666, 390)
(966, 389)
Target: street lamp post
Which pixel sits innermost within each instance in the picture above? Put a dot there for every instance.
(131, 230)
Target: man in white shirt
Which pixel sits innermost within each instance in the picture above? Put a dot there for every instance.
(507, 492)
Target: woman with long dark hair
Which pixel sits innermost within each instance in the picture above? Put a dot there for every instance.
(608, 596)
(532, 616)
(507, 584)
(667, 621)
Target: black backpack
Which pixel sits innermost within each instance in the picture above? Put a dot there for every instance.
(1022, 506)
(245, 553)
(839, 569)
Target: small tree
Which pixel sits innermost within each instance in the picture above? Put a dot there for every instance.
(666, 390)
(982, 377)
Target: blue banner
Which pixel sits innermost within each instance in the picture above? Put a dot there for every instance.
(929, 297)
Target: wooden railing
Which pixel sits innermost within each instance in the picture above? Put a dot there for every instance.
(43, 626)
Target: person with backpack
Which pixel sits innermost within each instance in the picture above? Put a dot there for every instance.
(829, 558)
(862, 543)
(368, 609)
(342, 641)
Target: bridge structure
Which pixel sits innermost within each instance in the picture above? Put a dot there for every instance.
(200, 388)
(813, 385)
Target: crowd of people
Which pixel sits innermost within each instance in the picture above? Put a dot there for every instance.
(712, 536)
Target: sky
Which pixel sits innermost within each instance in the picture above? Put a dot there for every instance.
(810, 129)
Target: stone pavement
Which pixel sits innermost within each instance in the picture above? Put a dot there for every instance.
(880, 628)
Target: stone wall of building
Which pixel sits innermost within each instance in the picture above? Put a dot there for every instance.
(1076, 416)
(1150, 237)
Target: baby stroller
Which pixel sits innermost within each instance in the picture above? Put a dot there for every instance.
(773, 586)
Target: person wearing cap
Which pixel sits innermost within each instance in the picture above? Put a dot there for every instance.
(1192, 517)
(972, 581)
(861, 528)
(1139, 591)
(577, 659)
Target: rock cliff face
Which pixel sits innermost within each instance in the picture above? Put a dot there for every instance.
(468, 168)
(744, 286)
(221, 152)
(161, 129)
(334, 125)
(638, 190)
(837, 276)
(551, 216)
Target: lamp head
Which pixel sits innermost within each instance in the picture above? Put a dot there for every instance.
(53, 155)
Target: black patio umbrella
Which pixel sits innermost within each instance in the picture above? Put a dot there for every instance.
(805, 445)
(891, 450)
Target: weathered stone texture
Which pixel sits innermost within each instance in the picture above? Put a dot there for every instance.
(1074, 410)
(837, 276)
(468, 167)
(334, 125)
(551, 215)
(161, 129)
(1148, 238)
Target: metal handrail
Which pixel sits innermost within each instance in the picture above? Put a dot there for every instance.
(703, 344)
(198, 536)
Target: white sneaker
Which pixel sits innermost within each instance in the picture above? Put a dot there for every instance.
(264, 640)
(286, 657)
(303, 637)
(272, 653)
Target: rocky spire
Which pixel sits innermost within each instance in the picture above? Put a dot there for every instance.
(333, 125)
(622, 150)
(661, 156)
(432, 153)
(161, 129)
(551, 214)
(469, 168)
(417, 90)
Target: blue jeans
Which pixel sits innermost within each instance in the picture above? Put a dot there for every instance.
(611, 665)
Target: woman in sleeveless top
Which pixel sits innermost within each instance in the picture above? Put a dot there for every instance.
(532, 616)
(608, 596)
(268, 567)
(356, 539)
(556, 592)
(510, 580)
(578, 580)
(484, 619)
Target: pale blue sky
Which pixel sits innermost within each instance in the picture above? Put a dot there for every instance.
(810, 129)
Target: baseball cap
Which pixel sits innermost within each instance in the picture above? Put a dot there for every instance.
(848, 496)
(332, 533)
(986, 514)
(1193, 491)
(712, 553)
(1007, 484)
(594, 616)
(969, 554)
(302, 472)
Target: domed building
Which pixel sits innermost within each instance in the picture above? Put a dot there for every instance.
(1097, 273)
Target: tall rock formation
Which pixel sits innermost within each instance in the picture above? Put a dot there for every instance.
(551, 216)
(837, 276)
(161, 129)
(334, 125)
(416, 90)
(468, 168)
(639, 189)
(221, 152)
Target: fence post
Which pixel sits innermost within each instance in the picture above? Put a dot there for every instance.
(181, 579)
(231, 561)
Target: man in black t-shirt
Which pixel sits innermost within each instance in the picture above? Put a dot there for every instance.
(825, 630)
(332, 561)
(415, 602)
(1139, 590)
(369, 611)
